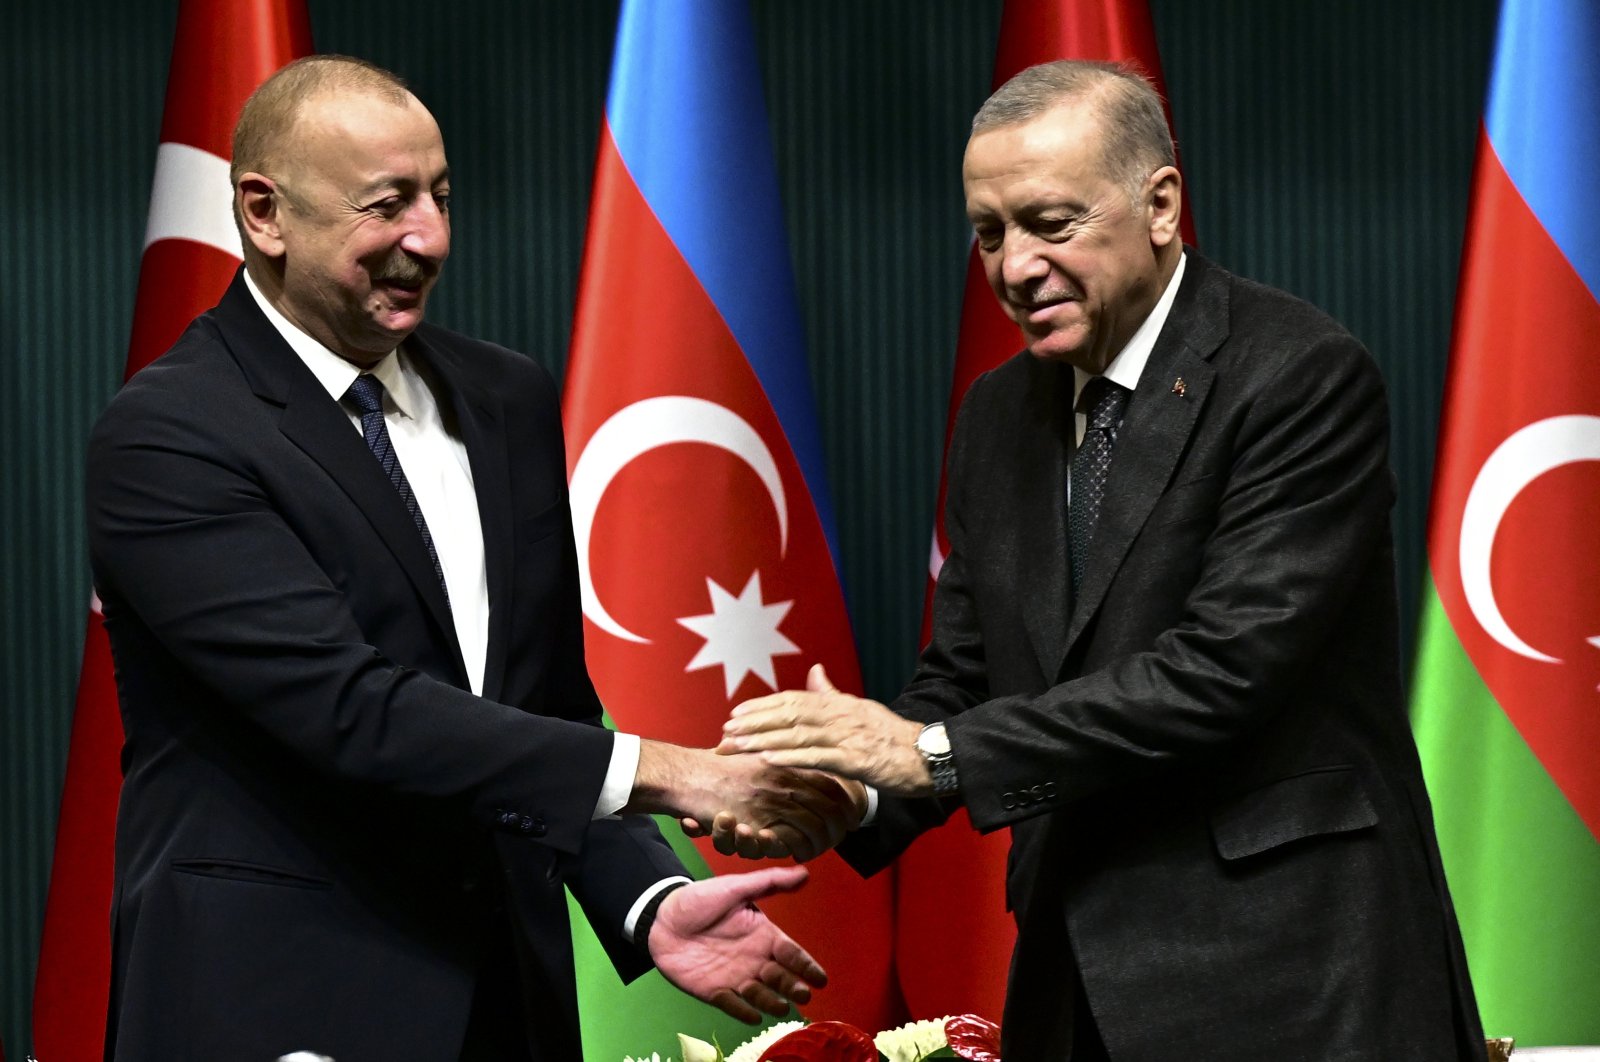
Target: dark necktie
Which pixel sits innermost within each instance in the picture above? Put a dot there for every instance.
(366, 394)
(1102, 403)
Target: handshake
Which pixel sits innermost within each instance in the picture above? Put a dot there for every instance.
(790, 776)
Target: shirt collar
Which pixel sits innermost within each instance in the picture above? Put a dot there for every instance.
(334, 373)
(1126, 368)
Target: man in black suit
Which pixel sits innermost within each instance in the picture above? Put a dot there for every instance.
(1165, 643)
(363, 756)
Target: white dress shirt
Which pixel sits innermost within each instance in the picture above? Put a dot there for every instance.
(436, 465)
(1126, 368)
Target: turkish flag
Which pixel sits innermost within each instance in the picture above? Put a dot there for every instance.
(705, 549)
(967, 909)
(222, 51)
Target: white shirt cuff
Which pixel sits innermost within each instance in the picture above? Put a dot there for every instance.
(618, 785)
(872, 806)
(632, 921)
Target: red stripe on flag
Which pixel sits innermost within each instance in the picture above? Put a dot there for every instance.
(1521, 367)
(222, 50)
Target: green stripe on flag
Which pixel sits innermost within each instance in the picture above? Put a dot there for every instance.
(1523, 868)
(620, 1021)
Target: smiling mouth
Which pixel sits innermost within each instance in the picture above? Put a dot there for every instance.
(1035, 309)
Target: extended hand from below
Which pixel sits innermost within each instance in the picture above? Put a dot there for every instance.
(710, 940)
(826, 729)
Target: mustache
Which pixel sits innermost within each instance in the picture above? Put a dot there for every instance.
(401, 268)
(1044, 296)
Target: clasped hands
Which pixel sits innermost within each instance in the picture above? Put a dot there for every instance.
(823, 742)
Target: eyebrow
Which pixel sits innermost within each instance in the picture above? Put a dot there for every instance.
(386, 183)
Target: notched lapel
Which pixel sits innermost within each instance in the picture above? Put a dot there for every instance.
(1041, 557)
(316, 424)
(1155, 430)
(312, 421)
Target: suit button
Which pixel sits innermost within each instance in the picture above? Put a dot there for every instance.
(526, 824)
(1050, 790)
(505, 818)
(1008, 801)
(538, 829)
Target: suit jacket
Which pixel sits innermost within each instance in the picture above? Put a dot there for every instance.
(1218, 817)
(322, 834)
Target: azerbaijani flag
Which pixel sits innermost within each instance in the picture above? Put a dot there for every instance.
(707, 561)
(1507, 691)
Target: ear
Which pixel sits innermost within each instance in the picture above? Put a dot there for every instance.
(259, 205)
(1164, 195)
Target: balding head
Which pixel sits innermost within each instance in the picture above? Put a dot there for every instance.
(266, 125)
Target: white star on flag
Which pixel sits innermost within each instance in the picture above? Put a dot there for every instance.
(741, 634)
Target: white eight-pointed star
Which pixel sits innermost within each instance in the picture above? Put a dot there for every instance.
(741, 634)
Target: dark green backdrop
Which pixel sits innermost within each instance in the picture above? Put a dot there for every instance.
(1328, 148)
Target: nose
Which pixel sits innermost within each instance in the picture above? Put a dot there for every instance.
(427, 231)
(1020, 261)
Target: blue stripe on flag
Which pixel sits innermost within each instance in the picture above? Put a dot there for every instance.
(1543, 118)
(689, 118)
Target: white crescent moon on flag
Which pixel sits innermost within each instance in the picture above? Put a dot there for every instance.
(638, 429)
(1528, 454)
(191, 198)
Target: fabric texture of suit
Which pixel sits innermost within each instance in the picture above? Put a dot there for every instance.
(322, 835)
(1218, 817)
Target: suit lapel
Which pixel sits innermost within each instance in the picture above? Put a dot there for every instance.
(479, 416)
(1156, 428)
(1041, 557)
(316, 424)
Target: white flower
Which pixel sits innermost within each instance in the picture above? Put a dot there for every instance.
(913, 1042)
(654, 1057)
(751, 1049)
(698, 1050)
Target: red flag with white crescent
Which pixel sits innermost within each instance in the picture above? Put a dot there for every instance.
(223, 49)
(969, 905)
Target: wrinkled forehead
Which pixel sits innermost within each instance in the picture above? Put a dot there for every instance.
(356, 135)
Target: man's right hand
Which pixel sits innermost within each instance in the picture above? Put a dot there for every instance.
(771, 812)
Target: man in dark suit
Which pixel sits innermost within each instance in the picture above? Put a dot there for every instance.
(1165, 638)
(363, 757)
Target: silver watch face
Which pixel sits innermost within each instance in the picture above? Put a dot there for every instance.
(933, 741)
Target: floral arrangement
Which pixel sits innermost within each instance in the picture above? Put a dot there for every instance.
(964, 1036)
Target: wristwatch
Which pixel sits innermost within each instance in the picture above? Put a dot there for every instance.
(934, 745)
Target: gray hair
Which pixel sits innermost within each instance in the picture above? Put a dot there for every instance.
(1136, 140)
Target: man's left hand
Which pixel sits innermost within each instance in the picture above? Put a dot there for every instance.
(830, 730)
(710, 941)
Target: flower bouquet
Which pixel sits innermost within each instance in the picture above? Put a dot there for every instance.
(964, 1036)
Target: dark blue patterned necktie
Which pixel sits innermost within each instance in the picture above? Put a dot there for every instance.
(366, 394)
(1102, 403)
